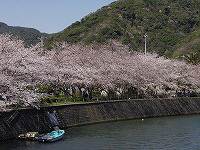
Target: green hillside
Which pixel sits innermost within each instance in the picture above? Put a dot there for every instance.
(168, 23)
(29, 35)
(189, 44)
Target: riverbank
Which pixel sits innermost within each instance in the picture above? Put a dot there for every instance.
(14, 123)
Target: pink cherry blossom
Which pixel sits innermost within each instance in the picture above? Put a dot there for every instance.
(110, 67)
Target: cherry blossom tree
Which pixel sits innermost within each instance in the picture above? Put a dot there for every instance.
(15, 61)
(111, 68)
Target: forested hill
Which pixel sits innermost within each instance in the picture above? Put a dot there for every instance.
(172, 26)
(28, 35)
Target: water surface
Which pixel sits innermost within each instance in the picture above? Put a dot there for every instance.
(176, 132)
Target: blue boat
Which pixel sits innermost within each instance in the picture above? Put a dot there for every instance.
(52, 136)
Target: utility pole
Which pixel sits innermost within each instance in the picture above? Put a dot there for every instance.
(145, 44)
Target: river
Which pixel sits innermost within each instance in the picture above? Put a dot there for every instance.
(167, 133)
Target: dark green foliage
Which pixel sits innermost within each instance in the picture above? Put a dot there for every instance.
(42, 89)
(188, 45)
(192, 58)
(29, 87)
(167, 23)
(54, 99)
(30, 36)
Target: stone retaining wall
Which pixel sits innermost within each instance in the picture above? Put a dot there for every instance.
(78, 114)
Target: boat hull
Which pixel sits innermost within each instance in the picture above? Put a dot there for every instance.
(49, 138)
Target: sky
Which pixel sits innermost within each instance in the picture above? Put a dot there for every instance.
(48, 16)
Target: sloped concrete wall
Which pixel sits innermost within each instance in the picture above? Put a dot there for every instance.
(78, 114)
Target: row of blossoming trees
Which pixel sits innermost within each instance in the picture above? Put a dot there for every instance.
(111, 68)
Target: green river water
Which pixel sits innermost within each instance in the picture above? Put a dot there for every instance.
(165, 133)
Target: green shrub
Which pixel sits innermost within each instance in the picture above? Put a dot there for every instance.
(53, 99)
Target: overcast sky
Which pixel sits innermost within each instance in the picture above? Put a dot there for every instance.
(48, 16)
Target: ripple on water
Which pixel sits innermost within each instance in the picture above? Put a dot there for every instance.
(167, 133)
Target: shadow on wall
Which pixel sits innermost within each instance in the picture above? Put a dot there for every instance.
(21, 121)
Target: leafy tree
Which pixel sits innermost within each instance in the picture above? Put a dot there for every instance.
(192, 58)
(166, 22)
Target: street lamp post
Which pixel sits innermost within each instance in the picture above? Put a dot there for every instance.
(145, 44)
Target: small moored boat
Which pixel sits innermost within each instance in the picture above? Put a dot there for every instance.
(52, 136)
(28, 136)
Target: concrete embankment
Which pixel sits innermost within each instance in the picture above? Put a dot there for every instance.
(16, 122)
